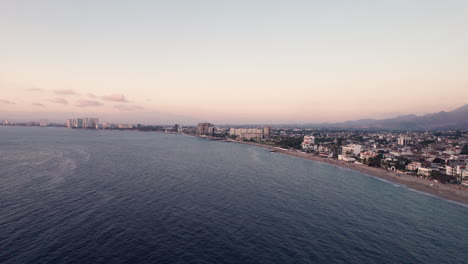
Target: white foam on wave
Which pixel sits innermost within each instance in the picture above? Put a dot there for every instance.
(380, 179)
(383, 180)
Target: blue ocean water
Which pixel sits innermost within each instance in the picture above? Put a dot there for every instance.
(84, 196)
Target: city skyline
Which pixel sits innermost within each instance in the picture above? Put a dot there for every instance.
(239, 63)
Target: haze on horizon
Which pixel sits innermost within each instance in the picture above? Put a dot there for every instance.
(231, 61)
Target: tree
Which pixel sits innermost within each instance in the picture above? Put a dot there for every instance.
(465, 150)
(441, 177)
(290, 142)
(375, 161)
(434, 174)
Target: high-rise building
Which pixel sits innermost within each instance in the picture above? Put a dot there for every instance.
(177, 128)
(404, 141)
(90, 123)
(206, 129)
(83, 123)
(43, 122)
(266, 132)
(78, 123)
(250, 133)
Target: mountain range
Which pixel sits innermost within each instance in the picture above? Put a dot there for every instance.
(456, 119)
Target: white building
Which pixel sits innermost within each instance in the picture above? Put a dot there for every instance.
(308, 142)
(426, 172)
(125, 126)
(352, 149)
(346, 158)
(454, 170)
(367, 155)
(464, 175)
(250, 133)
(413, 166)
(43, 122)
(90, 123)
(404, 141)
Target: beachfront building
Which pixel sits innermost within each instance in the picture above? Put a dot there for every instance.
(454, 170)
(125, 126)
(88, 122)
(75, 123)
(425, 172)
(413, 166)
(205, 129)
(308, 143)
(346, 158)
(250, 133)
(352, 149)
(464, 176)
(367, 155)
(43, 122)
(266, 132)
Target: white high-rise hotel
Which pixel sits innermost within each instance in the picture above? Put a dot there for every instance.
(43, 122)
(83, 123)
(251, 133)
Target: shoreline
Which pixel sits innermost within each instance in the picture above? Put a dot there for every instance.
(437, 189)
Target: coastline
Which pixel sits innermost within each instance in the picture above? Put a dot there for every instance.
(440, 190)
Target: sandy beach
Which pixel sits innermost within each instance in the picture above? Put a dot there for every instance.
(446, 191)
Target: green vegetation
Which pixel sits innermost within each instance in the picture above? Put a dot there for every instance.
(443, 178)
(464, 150)
(426, 142)
(290, 142)
(323, 140)
(375, 161)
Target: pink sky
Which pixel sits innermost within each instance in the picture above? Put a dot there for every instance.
(239, 62)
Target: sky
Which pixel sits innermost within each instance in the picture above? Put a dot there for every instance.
(231, 62)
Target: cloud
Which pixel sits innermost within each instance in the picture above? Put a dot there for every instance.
(128, 108)
(59, 101)
(65, 92)
(90, 95)
(38, 104)
(34, 89)
(115, 98)
(6, 102)
(87, 103)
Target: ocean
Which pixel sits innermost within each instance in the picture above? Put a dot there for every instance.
(87, 196)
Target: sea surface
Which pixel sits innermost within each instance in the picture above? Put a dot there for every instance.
(86, 196)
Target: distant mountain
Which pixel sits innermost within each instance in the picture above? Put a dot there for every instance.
(456, 119)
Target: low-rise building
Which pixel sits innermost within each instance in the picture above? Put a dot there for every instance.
(413, 166)
(352, 149)
(367, 155)
(425, 172)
